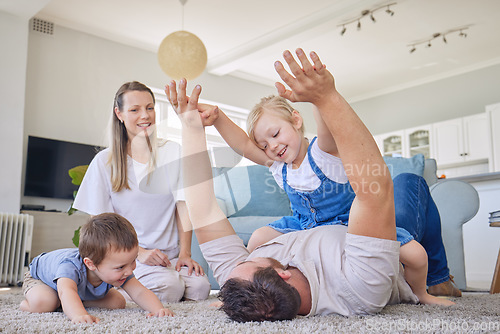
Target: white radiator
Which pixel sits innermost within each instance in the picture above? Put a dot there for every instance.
(16, 232)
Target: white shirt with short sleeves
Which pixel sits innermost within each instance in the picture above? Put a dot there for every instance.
(304, 178)
(149, 206)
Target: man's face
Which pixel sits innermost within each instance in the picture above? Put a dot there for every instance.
(246, 269)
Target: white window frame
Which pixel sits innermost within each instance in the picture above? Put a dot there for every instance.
(169, 127)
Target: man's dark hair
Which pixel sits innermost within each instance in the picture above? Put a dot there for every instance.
(267, 297)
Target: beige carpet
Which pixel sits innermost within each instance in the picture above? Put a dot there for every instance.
(474, 313)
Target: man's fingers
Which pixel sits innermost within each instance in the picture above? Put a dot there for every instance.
(171, 91)
(193, 99)
(182, 91)
(307, 68)
(283, 92)
(318, 65)
(295, 68)
(284, 75)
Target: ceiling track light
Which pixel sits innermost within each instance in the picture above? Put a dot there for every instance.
(364, 13)
(428, 41)
(343, 30)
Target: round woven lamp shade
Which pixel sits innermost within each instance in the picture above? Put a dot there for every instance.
(182, 55)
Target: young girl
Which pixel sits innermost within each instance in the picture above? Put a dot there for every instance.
(314, 178)
(318, 188)
(140, 179)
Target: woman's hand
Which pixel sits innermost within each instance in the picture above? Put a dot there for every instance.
(153, 257)
(191, 264)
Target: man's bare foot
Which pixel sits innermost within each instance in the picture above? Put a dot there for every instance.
(432, 300)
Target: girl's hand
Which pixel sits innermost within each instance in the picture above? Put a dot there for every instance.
(209, 113)
(163, 312)
(187, 261)
(85, 319)
(153, 257)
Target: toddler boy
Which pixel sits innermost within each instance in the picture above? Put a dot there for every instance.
(85, 277)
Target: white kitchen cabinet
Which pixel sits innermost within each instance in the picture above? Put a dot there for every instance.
(461, 140)
(419, 141)
(393, 143)
(406, 143)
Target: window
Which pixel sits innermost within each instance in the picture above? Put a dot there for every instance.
(169, 127)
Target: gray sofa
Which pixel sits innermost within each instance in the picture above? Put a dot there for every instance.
(250, 198)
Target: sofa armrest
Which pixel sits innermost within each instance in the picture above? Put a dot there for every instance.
(457, 203)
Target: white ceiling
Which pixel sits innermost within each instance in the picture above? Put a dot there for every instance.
(244, 38)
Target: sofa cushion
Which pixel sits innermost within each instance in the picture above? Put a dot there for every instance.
(261, 197)
(399, 165)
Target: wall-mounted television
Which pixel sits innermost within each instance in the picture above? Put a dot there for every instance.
(47, 165)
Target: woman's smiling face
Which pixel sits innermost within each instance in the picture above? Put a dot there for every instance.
(138, 113)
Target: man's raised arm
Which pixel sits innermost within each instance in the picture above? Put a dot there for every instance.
(372, 212)
(209, 222)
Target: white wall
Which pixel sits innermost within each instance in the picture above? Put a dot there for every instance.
(72, 78)
(14, 41)
(453, 97)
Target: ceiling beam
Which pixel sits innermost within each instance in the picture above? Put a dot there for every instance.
(23, 8)
(235, 58)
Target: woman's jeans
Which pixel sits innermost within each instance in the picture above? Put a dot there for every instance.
(417, 213)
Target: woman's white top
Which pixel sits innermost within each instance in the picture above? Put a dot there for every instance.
(149, 205)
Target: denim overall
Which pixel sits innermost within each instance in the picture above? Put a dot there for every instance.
(329, 204)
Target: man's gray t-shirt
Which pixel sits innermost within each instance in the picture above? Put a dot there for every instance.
(348, 274)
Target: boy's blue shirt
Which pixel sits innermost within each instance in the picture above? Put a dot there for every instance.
(67, 262)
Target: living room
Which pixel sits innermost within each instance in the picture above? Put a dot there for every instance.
(61, 86)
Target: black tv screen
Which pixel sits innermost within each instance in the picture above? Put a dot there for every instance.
(47, 165)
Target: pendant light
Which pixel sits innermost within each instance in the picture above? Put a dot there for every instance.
(182, 54)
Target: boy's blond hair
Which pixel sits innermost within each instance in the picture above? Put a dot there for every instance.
(105, 232)
(276, 104)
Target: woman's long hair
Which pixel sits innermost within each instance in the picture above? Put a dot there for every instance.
(119, 139)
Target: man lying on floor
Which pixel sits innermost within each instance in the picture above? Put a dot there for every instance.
(345, 270)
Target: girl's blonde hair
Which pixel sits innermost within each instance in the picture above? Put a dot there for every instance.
(119, 139)
(276, 104)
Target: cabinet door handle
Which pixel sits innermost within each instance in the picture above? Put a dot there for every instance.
(466, 153)
(462, 154)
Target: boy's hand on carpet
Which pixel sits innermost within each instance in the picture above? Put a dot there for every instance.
(217, 304)
(163, 312)
(85, 319)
